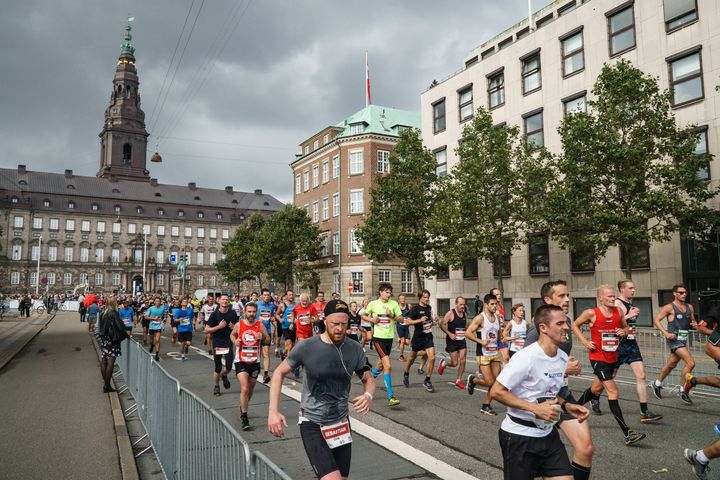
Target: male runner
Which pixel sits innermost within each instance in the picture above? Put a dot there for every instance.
(319, 305)
(247, 336)
(306, 317)
(422, 317)
(529, 386)
(382, 313)
(606, 325)
(453, 324)
(155, 316)
(502, 344)
(700, 459)
(220, 324)
(680, 318)
(488, 358)
(127, 315)
(173, 321)
(710, 326)
(144, 320)
(402, 328)
(205, 312)
(324, 423)
(285, 321)
(266, 312)
(365, 327)
(183, 315)
(354, 320)
(629, 351)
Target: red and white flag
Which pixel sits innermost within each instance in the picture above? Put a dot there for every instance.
(368, 99)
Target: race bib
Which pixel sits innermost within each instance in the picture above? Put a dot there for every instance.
(459, 334)
(520, 341)
(632, 331)
(265, 316)
(222, 351)
(609, 341)
(384, 321)
(248, 354)
(682, 335)
(491, 346)
(353, 329)
(337, 434)
(427, 326)
(128, 322)
(304, 319)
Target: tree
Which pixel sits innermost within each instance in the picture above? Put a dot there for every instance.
(244, 254)
(628, 174)
(400, 207)
(487, 204)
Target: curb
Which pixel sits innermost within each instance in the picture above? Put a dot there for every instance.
(21, 343)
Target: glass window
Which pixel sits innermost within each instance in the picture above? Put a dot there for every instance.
(200, 232)
(534, 129)
(71, 205)
(356, 162)
(68, 254)
(85, 226)
(356, 201)
(316, 175)
(580, 304)
(174, 231)
(50, 278)
(16, 252)
(161, 230)
(316, 212)
(70, 225)
(621, 31)
(54, 224)
(37, 223)
(213, 233)
(336, 204)
(384, 276)
(67, 278)
(496, 90)
(116, 227)
(14, 278)
(132, 228)
(52, 253)
(358, 279)
(539, 254)
(679, 13)
(187, 232)
(502, 267)
(470, 268)
(336, 166)
(465, 103)
(181, 213)
(686, 79)
(439, 116)
(316, 144)
(33, 278)
(383, 161)
(580, 262)
(325, 208)
(306, 180)
(225, 233)
(99, 255)
(115, 279)
(443, 273)
(573, 54)
(100, 227)
(18, 222)
(34, 252)
(159, 257)
(298, 181)
(355, 246)
(200, 257)
(99, 278)
(212, 258)
(324, 245)
(575, 104)
(406, 281)
(336, 243)
(531, 79)
(84, 254)
(639, 256)
(441, 159)
(356, 128)
(83, 278)
(701, 149)
(325, 172)
(115, 255)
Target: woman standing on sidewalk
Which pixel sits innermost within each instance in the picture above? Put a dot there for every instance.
(112, 333)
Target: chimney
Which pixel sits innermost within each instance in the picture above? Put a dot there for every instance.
(192, 186)
(22, 169)
(258, 191)
(68, 173)
(154, 182)
(229, 189)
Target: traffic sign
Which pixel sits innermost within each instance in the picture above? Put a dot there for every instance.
(44, 280)
(173, 259)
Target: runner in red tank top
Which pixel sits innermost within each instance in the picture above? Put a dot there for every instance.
(607, 325)
(305, 316)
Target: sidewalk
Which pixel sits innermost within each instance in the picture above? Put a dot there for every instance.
(55, 422)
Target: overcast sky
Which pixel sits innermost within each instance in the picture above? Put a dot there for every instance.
(233, 115)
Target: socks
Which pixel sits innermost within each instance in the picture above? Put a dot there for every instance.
(586, 396)
(580, 472)
(643, 407)
(617, 413)
(657, 383)
(388, 384)
(701, 457)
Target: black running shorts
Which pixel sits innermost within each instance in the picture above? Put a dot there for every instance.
(185, 336)
(252, 369)
(228, 361)
(525, 458)
(455, 345)
(422, 343)
(323, 459)
(383, 346)
(604, 371)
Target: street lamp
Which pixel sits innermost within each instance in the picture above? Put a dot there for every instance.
(37, 279)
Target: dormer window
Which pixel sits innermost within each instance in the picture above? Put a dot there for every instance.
(71, 205)
(181, 213)
(218, 215)
(46, 203)
(201, 215)
(14, 199)
(117, 208)
(115, 190)
(139, 209)
(22, 182)
(94, 207)
(71, 187)
(161, 211)
(356, 128)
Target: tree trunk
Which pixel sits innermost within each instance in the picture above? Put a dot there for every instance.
(418, 278)
(495, 266)
(628, 262)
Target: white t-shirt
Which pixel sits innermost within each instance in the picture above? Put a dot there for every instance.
(530, 375)
(207, 310)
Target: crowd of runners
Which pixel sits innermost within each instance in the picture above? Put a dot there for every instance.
(523, 364)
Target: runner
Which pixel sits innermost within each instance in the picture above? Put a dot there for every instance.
(127, 315)
(502, 343)
(154, 315)
(629, 351)
(700, 459)
(265, 308)
(284, 318)
(516, 330)
(247, 336)
(382, 313)
(320, 302)
(195, 302)
(220, 324)
(488, 358)
(324, 422)
(680, 317)
(529, 387)
(365, 327)
(93, 310)
(354, 320)
(306, 317)
(402, 328)
(453, 324)
(422, 340)
(183, 315)
(144, 320)
(173, 321)
(205, 312)
(710, 326)
(606, 325)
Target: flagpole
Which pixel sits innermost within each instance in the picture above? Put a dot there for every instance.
(368, 99)
(530, 25)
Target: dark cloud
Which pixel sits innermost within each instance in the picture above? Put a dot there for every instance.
(286, 70)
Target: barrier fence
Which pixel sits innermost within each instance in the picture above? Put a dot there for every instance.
(189, 438)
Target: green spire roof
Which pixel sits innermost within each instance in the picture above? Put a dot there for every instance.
(380, 120)
(127, 46)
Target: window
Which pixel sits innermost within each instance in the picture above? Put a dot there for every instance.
(225, 233)
(200, 214)
(531, 79)
(14, 199)
(54, 224)
(161, 211)
(132, 228)
(470, 268)
(139, 209)
(383, 161)
(406, 281)
(83, 278)
(33, 278)
(99, 278)
(67, 278)
(85, 226)
(200, 280)
(336, 282)
(496, 89)
(212, 280)
(574, 104)
(212, 260)
(116, 227)
(686, 78)
(502, 268)
(326, 139)
(701, 149)
(465, 103)
(213, 233)
(188, 232)
(16, 252)
(336, 166)
(355, 246)
(539, 255)
(621, 30)
(324, 245)
(181, 213)
(34, 252)
(533, 122)
(70, 225)
(439, 116)
(565, 9)
(639, 257)
(316, 144)
(358, 280)
(384, 276)
(115, 255)
(52, 253)
(298, 183)
(573, 53)
(315, 212)
(99, 255)
(115, 279)
(14, 278)
(356, 162)
(356, 128)
(84, 254)
(316, 175)
(159, 257)
(200, 232)
(336, 204)
(37, 223)
(161, 230)
(443, 306)
(100, 227)
(336, 243)
(71, 205)
(441, 159)
(325, 172)
(117, 208)
(46, 203)
(325, 208)
(307, 149)
(581, 262)
(443, 272)
(68, 254)
(356, 201)
(18, 222)
(174, 231)
(306, 180)
(679, 13)
(580, 304)
(200, 257)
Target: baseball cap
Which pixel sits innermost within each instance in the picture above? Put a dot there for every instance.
(336, 306)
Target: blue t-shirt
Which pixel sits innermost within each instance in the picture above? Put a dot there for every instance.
(183, 319)
(93, 311)
(286, 312)
(155, 312)
(266, 311)
(126, 315)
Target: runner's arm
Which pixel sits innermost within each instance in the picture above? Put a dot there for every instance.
(657, 321)
(362, 403)
(265, 335)
(506, 333)
(703, 327)
(234, 335)
(693, 322)
(470, 331)
(544, 410)
(444, 322)
(276, 420)
(585, 317)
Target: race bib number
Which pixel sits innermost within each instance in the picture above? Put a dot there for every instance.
(128, 322)
(459, 334)
(337, 434)
(248, 354)
(682, 335)
(265, 316)
(427, 326)
(632, 331)
(353, 329)
(304, 319)
(609, 341)
(384, 321)
(491, 346)
(520, 341)
(222, 351)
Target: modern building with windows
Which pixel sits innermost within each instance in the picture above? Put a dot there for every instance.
(100, 231)
(333, 175)
(532, 76)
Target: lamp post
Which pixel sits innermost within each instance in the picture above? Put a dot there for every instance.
(145, 232)
(37, 278)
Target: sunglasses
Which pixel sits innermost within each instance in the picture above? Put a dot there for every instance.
(681, 293)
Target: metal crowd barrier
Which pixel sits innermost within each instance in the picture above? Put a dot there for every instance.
(189, 438)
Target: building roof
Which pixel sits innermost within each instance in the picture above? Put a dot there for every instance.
(16, 180)
(380, 120)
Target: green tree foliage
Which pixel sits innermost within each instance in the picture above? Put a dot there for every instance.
(628, 175)
(487, 204)
(400, 208)
(244, 253)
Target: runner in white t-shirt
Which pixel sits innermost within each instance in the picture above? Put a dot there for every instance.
(529, 387)
(205, 311)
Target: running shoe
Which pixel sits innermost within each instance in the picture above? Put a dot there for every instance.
(266, 378)
(649, 417)
(157, 356)
(595, 405)
(244, 421)
(441, 367)
(216, 391)
(685, 397)
(182, 357)
(460, 384)
(421, 371)
(633, 437)
(392, 401)
(699, 469)
(657, 390)
(470, 384)
(487, 410)
(717, 428)
(406, 380)
(428, 385)
(226, 381)
(402, 358)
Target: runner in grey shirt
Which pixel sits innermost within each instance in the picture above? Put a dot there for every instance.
(328, 361)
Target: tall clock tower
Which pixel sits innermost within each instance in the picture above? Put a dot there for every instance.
(123, 140)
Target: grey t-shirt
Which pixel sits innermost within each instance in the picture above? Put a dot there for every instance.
(532, 337)
(326, 386)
